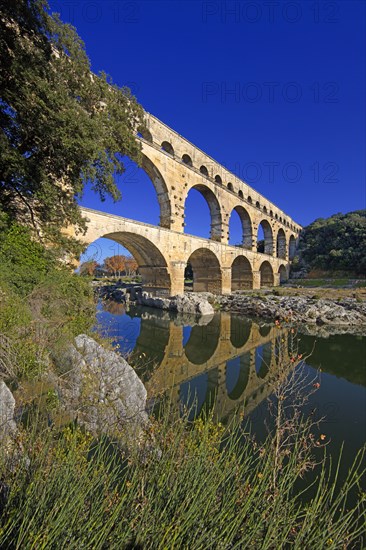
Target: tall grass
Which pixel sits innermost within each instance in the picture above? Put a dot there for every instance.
(190, 485)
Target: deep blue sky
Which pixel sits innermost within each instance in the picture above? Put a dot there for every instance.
(250, 83)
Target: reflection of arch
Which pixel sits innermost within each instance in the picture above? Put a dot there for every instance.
(281, 244)
(203, 341)
(268, 237)
(218, 179)
(167, 147)
(241, 274)
(266, 274)
(237, 375)
(206, 271)
(263, 356)
(199, 393)
(239, 331)
(292, 247)
(187, 160)
(246, 224)
(161, 190)
(215, 210)
(264, 330)
(204, 170)
(283, 273)
(151, 344)
(152, 265)
(145, 134)
(230, 186)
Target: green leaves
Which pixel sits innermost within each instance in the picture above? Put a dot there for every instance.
(337, 243)
(61, 125)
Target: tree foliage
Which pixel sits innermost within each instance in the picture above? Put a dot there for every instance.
(88, 268)
(337, 243)
(115, 264)
(61, 125)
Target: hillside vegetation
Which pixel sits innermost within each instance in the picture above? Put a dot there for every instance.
(335, 244)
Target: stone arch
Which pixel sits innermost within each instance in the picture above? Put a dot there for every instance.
(283, 273)
(204, 170)
(187, 160)
(240, 194)
(241, 274)
(250, 200)
(240, 366)
(230, 186)
(281, 244)
(291, 247)
(268, 237)
(257, 204)
(215, 210)
(161, 190)
(218, 179)
(145, 134)
(271, 213)
(246, 224)
(266, 274)
(167, 147)
(206, 271)
(203, 341)
(276, 216)
(265, 209)
(152, 265)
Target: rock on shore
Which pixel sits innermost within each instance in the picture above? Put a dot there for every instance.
(297, 309)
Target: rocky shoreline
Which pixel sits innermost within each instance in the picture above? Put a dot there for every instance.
(344, 314)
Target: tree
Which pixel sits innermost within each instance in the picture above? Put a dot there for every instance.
(61, 125)
(115, 264)
(131, 265)
(88, 268)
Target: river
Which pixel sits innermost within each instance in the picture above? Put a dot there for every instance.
(229, 362)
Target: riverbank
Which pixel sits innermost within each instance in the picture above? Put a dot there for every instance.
(337, 310)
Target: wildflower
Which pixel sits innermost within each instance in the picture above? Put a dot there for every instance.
(316, 385)
(322, 436)
(260, 475)
(299, 356)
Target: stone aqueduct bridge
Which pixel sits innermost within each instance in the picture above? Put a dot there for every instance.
(175, 166)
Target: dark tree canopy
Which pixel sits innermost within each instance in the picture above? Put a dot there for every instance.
(61, 126)
(337, 243)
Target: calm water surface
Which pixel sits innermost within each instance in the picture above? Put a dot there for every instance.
(230, 361)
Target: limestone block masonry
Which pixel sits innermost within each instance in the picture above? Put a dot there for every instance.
(176, 166)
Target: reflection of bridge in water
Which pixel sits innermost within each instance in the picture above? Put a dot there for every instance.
(227, 362)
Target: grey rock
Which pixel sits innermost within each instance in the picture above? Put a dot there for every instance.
(7, 408)
(104, 392)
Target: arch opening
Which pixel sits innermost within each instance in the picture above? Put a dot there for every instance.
(237, 376)
(265, 238)
(230, 186)
(240, 193)
(266, 274)
(263, 357)
(214, 209)
(206, 271)
(283, 274)
(145, 134)
(292, 247)
(203, 341)
(187, 160)
(218, 179)
(281, 244)
(204, 170)
(241, 274)
(161, 190)
(167, 147)
(151, 264)
(246, 237)
(239, 331)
